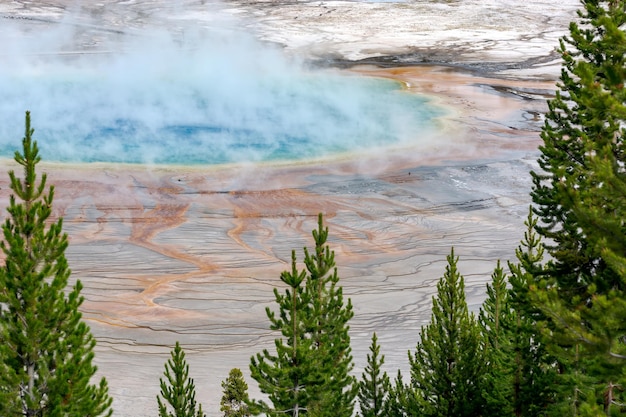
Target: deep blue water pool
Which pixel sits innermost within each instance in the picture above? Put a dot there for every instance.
(156, 102)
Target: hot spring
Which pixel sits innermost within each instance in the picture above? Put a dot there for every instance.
(195, 98)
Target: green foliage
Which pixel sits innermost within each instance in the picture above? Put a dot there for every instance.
(46, 350)
(534, 368)
(447, 364)
(235, 399)
(579, 198)
(282, 376)
(374, 385)
(401, 401)
(334, 389)
(309, 374)
(496, 320)
(178, 391)
(584, 119)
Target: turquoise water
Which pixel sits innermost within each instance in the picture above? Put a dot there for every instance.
(167, 105)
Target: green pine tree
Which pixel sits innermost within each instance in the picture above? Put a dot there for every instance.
(235, 399)
(534, 368)
(583, 131)
(178, 391)
(46, 350)
(374, 385)
(496, 318)
(9, 382)
(583, 119)
(333, 390)
(579, 199)
(401, 401)
(446, 367)
(282, 376)
(310, 372)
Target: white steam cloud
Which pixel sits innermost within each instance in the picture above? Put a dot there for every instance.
(201, 96)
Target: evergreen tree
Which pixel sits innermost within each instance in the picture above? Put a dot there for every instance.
(374, 385)
(534, 368)
(309, 374)
(583, 125)
(333, 389)
(401, 401)
(579, 199)
(235, 399)
(9, 383)
(46, 350)
(447, 365)
(282, 376)
(584, 132)
(178, 389)
(496, 318)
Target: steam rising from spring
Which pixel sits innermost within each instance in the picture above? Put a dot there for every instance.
(205, 96)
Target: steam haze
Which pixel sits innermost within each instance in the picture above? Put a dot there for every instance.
(192, 96)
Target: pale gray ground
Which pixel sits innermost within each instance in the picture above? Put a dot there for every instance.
(192, 254)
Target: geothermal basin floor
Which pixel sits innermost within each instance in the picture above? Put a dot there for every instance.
(191, 254)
